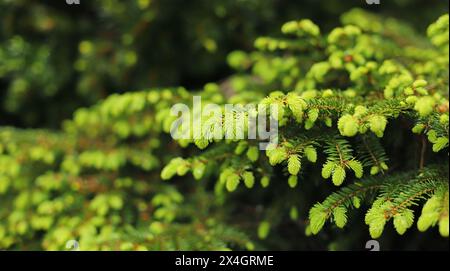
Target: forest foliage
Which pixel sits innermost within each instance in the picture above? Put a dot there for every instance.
(363, 141)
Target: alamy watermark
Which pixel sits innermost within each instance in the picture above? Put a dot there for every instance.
(371, 2)
(73, 2)
(373, 245)
(230, 121)
(73, 245)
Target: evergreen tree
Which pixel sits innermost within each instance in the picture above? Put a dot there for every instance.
(363, 130)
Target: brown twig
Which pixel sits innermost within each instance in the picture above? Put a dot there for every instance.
(422, 152)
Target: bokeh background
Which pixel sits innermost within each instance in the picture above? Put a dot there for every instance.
(55, 57)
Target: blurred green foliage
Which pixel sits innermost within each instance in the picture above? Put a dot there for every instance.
(55, 57)
(98, 177)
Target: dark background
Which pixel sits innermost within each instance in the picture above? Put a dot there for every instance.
(138, 44)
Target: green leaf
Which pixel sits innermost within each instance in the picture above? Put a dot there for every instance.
(420, 83)
(224, 175)
(424, 105)
(292, 181)
(115, 202)
(360, 110)
(327, 169)
(375, 219)
(241, 147)
(201, 143)
(356, 202)
(263, 230)
(198, 170)
(309, 124)
(378, 125)
(443, 226)
(294, 164)
(430, 213)
(328, 122)
(357, 167)
(348, 125)
(317, 218)
(277, 156)
(171, 168)
(311, 154)
(440, 143)
(293, 213)
(296, 105)
(253, 153)
(340, 216)
(432, 136)
(182, 169)
(443, 119)
(418, 128)
(403, 221)
(376, 230)
(374, 170)
(265, 181)
(338, 175)
(249, 179)
(313, 114)
(232, 182)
